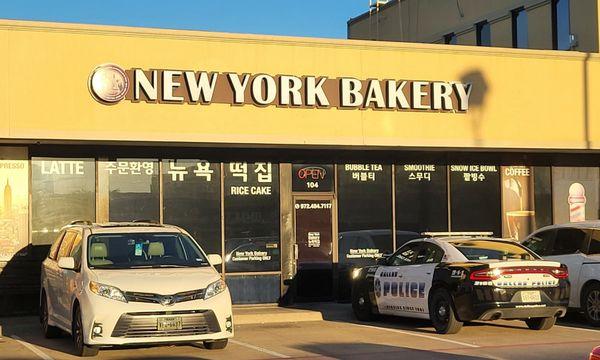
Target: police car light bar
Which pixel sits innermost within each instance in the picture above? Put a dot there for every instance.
(458, 233)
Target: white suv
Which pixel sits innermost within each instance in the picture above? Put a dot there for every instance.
(133, 283)
(576, 245)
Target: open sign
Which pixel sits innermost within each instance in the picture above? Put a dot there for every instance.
(312, 178)
(312, 172)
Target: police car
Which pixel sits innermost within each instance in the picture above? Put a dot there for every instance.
(453, 279)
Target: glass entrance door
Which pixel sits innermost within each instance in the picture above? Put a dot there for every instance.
(314, 239)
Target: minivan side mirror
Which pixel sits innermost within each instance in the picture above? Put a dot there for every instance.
(215, 259)
(67, 263)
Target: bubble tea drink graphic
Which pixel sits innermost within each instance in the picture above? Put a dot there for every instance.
(576, 202)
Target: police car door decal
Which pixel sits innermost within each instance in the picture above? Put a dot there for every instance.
(397, 292)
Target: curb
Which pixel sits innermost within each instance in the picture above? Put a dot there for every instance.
(272, 315)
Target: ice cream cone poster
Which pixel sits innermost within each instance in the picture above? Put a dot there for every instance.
(517, 202)
(575, 193)
(576, 202)
(13, 207)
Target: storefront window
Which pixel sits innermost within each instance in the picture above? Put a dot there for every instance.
(364, 213)
(14, 216)
(542, 179)
(518, 205)
(251, 217)
(475, 198)
(421, 198)
(575, 193)
(134, 189)
(192, 200)
(62, 190)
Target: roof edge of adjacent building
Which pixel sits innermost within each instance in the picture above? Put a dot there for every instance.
(366, 14)
(112, 30)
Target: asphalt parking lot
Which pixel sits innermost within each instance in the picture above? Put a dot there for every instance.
(338, 336)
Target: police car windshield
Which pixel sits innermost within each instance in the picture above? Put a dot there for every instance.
(481, 250)
(143, 250)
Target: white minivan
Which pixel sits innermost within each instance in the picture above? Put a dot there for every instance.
(133, 283)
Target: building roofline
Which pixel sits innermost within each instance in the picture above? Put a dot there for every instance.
(352, 20)
(196, 35)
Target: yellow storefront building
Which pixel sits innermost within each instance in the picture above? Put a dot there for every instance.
(297, 159)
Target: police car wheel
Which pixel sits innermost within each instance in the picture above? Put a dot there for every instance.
(591, 304)
(441, 313)
(361, 305)
(540, 323)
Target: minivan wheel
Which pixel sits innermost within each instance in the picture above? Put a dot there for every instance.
(216, 344)
(591, 304)
(541, 323)
(50, 331)
(441, 313)
(80, 347)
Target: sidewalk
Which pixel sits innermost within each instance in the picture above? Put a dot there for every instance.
(261, 314)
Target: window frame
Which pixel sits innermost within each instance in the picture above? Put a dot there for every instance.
(584, 245)
(69, 242)
(554, 5)
(418, 243)
(425, 245)
(536, 235)
(479, 30)
(55, 247)
(515, 28)
(450, 38)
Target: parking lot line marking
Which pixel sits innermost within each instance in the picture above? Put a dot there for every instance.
(418, 335)
(597, 331)
(33, 349)
(266, 351)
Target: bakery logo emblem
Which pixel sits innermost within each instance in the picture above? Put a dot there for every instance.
(108, 84)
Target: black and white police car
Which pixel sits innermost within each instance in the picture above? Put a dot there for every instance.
(453, 279)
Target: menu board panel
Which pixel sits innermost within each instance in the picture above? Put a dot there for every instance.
(421, 197)
(62, 190)
(364, 212)
(134, 189)
(192, 200)
(475, 198)
(251, 217)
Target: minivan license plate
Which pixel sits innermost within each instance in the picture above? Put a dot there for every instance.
(530, 296)
(169, 323)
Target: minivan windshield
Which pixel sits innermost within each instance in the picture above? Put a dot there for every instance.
(143, 250)
(480, 250)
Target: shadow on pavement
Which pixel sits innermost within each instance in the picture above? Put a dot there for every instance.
(340, 312)
(358, 350)
(27, 328)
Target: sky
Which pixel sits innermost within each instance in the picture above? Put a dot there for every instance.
(285, 17)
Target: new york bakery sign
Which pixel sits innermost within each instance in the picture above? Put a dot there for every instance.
(110, 84)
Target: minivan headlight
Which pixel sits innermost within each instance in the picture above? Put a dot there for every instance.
(107, 291)
(215, 288)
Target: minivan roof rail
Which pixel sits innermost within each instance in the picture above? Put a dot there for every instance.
(144, 221)
(80, 222)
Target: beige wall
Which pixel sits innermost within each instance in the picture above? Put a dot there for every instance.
(521, 99)
(540, 26)
(501, 32)
(429, 20)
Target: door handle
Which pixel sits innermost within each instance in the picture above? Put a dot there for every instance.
(428, 273)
